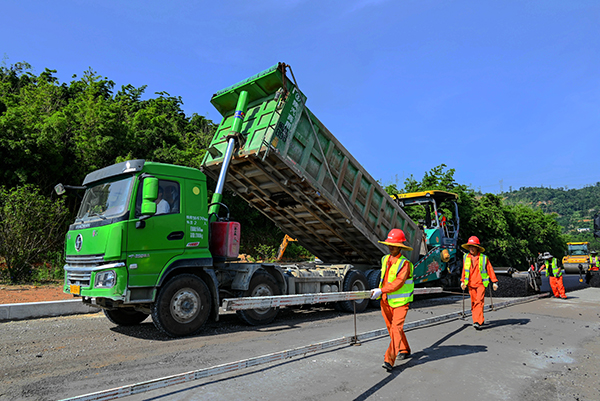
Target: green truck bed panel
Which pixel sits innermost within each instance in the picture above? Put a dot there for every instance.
(293, 170)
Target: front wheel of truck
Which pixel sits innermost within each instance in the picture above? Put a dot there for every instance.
(125, 317)
(182, 307)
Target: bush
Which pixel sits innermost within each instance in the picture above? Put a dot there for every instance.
(31, 229)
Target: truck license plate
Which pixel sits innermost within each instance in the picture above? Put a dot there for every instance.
(75, 289)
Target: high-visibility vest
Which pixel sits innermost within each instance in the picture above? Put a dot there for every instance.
(594, 263)
(404, 294)
(485, 277)
(556, 271)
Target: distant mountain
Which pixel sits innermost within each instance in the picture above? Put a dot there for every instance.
(575, 208)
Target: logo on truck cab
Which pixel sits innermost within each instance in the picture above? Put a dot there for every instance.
(78, 242)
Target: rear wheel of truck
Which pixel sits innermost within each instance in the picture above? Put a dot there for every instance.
(355, 281)
(182, 307)
(261, 285)
(125, 317)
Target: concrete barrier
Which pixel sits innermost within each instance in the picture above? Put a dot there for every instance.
(33, 310)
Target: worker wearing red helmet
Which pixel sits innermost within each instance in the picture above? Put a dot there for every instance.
(477, 274)
(396, 291)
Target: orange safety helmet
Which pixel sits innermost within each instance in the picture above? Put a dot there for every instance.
(396, 237)
(473, 241)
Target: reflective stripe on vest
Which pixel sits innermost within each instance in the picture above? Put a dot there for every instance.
(404, 294)
(556, 272)
(485, 277)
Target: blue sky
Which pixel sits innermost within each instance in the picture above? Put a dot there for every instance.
(505, 92)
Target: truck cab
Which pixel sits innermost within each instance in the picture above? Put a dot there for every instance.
(139, 224)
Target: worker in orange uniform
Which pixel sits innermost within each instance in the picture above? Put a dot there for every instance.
(477, 274)
(396, 291)
(554, 274)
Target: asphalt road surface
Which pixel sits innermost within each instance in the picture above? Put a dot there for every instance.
(546, 349)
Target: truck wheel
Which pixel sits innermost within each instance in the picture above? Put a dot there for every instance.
(125, 317)
(373, 278)
(355, 281)
(261, 285)
(182, 307)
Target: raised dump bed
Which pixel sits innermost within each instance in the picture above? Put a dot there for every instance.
(292, 169)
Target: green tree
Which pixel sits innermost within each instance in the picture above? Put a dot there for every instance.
(31, 227)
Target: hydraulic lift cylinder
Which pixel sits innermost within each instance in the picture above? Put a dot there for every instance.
(236, 127)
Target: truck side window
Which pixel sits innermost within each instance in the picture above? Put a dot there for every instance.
(167, 201)
(171, 194)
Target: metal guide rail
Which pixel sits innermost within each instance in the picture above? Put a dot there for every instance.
(233, 304)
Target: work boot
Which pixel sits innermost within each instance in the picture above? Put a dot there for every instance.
(403, 355)
(387, 366)
(477, 326)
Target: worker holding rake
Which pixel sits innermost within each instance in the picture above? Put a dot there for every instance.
(396, 291)
(477, 274)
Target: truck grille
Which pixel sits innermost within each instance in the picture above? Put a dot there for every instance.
(84, 260)
(79, 278)
(79, 268)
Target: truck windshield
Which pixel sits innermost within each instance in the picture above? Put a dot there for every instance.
(580, 249)
(105, 200)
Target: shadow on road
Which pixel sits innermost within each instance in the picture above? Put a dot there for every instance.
(491, 324)
(288, 319)
(433, 353)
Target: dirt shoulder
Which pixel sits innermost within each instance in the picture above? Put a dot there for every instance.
(13, 294)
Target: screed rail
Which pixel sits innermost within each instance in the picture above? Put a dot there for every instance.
(233, 304)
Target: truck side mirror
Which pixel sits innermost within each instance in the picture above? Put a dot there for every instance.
(59, 189)
(149, 195)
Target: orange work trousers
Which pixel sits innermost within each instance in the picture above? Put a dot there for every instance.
(394, 321)
(477, 295)
(558, 289)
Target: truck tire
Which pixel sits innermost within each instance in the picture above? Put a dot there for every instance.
(373, 278)
(125, 317)
(261, 285)
(182, 307)
(355, 281)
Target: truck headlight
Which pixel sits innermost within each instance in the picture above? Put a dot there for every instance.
(105, 279)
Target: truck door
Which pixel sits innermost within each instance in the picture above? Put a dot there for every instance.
(158, 239)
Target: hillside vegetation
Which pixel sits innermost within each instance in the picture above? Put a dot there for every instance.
(574, 208)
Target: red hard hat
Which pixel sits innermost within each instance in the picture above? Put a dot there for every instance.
(473, 241)
(396, 237)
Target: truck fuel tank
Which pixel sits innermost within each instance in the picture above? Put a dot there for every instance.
(225, 239)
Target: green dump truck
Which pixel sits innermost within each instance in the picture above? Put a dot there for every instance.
(147, 241)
